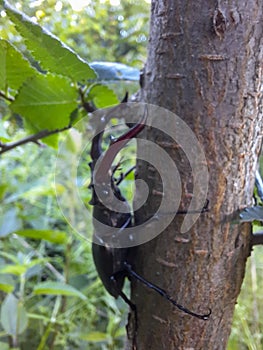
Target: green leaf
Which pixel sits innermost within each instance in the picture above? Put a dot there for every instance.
(57, 288)
(46, 102)
(35, 262)
(38, 317)
(13, 316)
(22, 267)
(58, 237)
(9, 222)
(6, 288)
(3, 134)
(14, 68)
(6, 284)
(102, 96)
(3, 190)
(4, 346)
(35, 192)
(17, 270)
(95, 337)
(73, 142)
(120, 332)
(53, 55)
(10, 257)
(257, 228)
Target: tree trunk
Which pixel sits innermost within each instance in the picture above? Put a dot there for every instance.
(204, 64)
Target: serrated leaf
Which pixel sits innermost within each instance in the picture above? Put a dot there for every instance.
(115, 71)
(53, 55)
(57, 288)
(102, 96)
(46, 102)
(58, 237)
(14, 68)
(251, 214)
(13, 316)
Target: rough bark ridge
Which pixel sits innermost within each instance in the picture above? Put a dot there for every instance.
(204, 64)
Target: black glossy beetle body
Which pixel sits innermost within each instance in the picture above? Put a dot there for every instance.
(109, 261)
(112, 263)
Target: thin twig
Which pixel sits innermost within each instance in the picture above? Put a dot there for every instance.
(5, 147)
(86, 105)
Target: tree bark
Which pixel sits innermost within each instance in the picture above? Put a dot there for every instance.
(204, 64)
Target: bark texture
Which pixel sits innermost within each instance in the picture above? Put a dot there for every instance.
(204, 64)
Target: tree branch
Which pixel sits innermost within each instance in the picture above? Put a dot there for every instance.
(5, 147)
(257, 238)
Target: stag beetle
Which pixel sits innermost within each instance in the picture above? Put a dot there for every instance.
(109, 261)
(112, 263)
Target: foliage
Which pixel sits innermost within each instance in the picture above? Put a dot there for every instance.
(247, 329)
(28, 263)
(48, 283)
(106, 30)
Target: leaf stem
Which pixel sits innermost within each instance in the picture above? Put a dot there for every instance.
(10, 99)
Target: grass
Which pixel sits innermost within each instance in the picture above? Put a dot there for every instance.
(247, 328)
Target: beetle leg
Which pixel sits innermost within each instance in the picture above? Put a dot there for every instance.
(164, 294)
(122, 176)
(203, 210)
